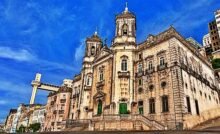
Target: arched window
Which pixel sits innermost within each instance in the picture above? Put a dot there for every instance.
(92, 50)
(125, 29)
(124, 65)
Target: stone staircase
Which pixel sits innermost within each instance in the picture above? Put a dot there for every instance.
(152, 123)
(77, 125)
(136, 122)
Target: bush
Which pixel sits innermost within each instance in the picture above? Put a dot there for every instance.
(216, 63)
(35, 127)
(21, 129)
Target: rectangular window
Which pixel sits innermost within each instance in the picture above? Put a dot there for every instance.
(150, 65)
(140, 82)
(151, 105)
(197, 107)
(188, 104)
(165, 106)
(124, 65)
(162, 62)
(139, 68)
(140, 56)
(101, 78)
(140, 107)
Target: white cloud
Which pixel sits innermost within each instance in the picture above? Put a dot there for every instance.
(3, 102)
(19, 55)
(79, 52)
(14, 87)
(26, 56)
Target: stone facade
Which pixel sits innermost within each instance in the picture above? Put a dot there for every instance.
(160, 83)
(57, 108)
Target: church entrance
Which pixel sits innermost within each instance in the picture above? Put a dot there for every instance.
(99, 111)
(123, 108)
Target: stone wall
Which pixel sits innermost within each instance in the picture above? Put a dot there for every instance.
(191, 121)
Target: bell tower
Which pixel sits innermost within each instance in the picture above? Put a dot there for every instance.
(125, 27)
(124, 46)
(93, 45)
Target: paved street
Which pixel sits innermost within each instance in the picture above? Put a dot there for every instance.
(209, 131)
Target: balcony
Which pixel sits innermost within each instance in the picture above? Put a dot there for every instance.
(197, 75)
(62, 100)
(123, 74)
(139, 74)
(150, 71)
(75, 95)
(54, 112)
(184, 67)
(61, 111)
(190, 71)
(212, 86)
(52, 103)
(87, 88)
(100, 84)
(162, 67)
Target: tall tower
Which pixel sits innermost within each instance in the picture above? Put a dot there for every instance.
(93, 47)
(124, 46)
(35, 84)
(125, 27)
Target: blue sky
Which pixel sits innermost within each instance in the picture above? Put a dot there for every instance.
(48, 36)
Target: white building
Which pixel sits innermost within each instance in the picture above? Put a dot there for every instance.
(68, 83)
(217, 19)
(206, 40)
(16, 119)
(38, 115)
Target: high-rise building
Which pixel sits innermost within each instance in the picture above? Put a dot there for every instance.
(214, 31)
(217, 19)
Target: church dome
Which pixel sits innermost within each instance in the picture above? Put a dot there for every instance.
(125, 14)
(94, 38)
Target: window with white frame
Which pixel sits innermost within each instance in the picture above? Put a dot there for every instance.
(150, 65)
(162, 61)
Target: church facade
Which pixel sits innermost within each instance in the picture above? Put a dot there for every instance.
(161, 83)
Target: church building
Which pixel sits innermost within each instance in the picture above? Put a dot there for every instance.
(160, 83)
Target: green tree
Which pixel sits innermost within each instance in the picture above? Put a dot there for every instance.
(216, 63)
(21, 129)
(35, 127)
